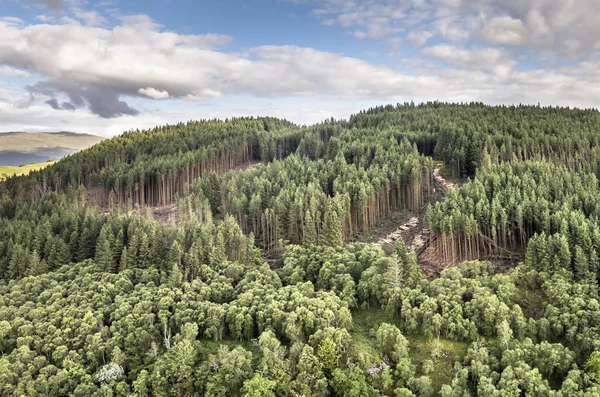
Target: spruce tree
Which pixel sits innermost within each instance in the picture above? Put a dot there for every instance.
(105, 257)
(309, 236)
(175, 255)
(332, 229)
(218, 253)
(408, 260)
(36, 265)
(175, 276)
(123, 260)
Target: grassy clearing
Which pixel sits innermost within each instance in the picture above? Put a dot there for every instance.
(7, 171)
(366, 322)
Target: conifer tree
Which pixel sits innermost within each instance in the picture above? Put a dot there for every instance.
(58, 253)
(118, 245)
(175, 255)
(86, 241)
(144, 252)
(580, 264)
(218, 253)
(36, 265)
(175, 276)
(408, 260)
(332, 229)
(123, 260)
(105, 257)
(19, 262)
(309, 236)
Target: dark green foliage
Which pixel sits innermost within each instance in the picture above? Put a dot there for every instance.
(97, 298)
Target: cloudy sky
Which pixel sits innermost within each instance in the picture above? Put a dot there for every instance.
(111, 65)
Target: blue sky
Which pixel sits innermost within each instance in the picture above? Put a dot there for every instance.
(108, 66)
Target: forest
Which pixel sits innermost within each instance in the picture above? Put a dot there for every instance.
(237, 258)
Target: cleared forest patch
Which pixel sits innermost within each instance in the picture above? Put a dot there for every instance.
(251, 165)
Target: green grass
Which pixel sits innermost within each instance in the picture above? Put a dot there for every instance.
(7, 171)
(366, 322)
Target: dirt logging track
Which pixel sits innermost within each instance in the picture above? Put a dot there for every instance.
(419, 239)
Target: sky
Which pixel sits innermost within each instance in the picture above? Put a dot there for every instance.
(107, 66)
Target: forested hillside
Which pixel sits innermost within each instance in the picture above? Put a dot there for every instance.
(227, 258)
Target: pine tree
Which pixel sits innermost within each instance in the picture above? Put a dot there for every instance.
(37, 266)
(218, 254)
(192, 262)
(118, 245)
(105, 257)
(580, 264)
(175, 276)
(175, 255)
(309, 236)
(252, 254)
(59, 253)
(123, 261)
(408, 260)
(144, 253)
(86, 242)
(19, 262)
(332, 230)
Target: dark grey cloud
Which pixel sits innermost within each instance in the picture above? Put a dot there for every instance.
(101, 100)
(67, 106)
(53, 103)
(105, 103)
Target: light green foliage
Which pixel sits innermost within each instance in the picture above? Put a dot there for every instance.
(592, 366)
(392, 342)
(258, 387)
(97, 298)
(327, 353)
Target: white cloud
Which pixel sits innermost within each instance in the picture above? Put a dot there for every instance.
(566, 27)
(153, 93)
(11, 20)
(97, 66)
(113, 71)
(483, 59)
(89, 18)
(419, 37)
(506, 30)
(12, 72)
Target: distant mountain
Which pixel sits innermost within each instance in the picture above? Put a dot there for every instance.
(18, 148)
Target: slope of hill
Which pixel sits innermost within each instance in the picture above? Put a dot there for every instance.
(18, 148)
(166, 263)
(9, 170)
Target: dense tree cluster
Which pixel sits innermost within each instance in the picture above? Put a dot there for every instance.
(99, 298)
(150, 167)
(504, 206)
(305, 199)
(466, 136)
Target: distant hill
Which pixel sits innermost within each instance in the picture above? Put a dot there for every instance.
(18, 148)
(6, 171)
